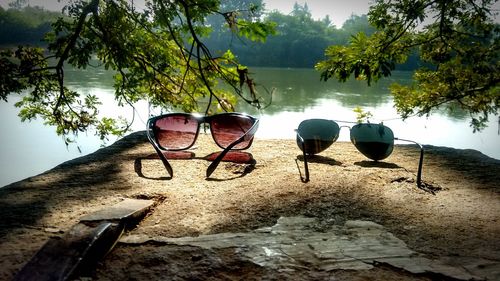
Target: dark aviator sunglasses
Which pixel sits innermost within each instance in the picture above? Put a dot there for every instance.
(179, 131)
(375, 141)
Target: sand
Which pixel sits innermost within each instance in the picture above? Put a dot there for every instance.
(455, 216)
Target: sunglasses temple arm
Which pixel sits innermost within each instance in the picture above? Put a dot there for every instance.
(219, 158)
(158, 151)
(306, 166)
(420, 162)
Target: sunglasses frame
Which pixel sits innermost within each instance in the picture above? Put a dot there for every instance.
(301, 142)
(247, 136)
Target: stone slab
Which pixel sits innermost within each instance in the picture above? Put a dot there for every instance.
(294, 241)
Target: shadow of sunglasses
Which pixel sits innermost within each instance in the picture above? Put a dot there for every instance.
(237, 157)
(375, 141)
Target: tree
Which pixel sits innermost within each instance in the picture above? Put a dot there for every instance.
(25, 25)
(300, 41)
(222, 36)
(458, 39)
(233, 8)
(157, 53)
(356, 24)
(18, 4)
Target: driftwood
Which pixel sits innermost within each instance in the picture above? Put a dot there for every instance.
(79, 250)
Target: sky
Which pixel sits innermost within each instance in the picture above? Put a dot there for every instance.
(338, 10)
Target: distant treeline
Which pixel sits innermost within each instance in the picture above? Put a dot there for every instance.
(25, 26)
(300, 40)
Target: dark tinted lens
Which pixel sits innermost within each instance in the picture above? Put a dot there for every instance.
(227, 128)
(375, 141)
(318, 134)
(175, 132)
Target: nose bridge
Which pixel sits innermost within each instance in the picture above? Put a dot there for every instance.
(344, 126)
(203, 122)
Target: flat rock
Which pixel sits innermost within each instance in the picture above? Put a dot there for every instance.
(293, 242)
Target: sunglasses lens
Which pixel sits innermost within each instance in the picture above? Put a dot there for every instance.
(176, 132)
(375, 141)
(318, 135)
(227, 128)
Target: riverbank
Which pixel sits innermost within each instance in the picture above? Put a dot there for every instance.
(457, 221)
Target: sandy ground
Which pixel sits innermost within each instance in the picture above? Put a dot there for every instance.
(456, 216)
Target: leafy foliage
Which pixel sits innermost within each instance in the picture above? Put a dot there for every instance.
(362, 116)
(157, 53)
(458, 39)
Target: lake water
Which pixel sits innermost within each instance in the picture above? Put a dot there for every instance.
(31, 148)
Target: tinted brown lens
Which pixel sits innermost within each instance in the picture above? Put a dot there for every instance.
(228, 128)
(176, 132)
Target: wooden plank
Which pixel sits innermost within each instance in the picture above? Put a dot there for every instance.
(77, 251)
(129, 211)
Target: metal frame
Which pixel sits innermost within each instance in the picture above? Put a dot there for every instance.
(306, 166)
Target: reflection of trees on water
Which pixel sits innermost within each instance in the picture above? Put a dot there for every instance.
(91, 77)
(298, 89)
(454, 111)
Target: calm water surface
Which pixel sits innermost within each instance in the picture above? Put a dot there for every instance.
(31, 148)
